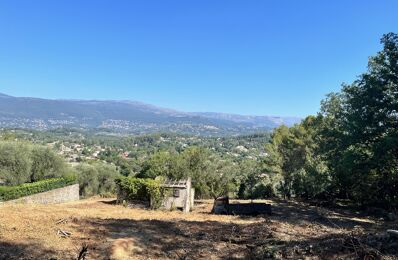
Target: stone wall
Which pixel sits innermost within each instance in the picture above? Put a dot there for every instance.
(60, 195)
(185, 200)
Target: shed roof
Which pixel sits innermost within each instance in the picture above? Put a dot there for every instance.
(174, 183)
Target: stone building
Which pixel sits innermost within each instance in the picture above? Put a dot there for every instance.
(180, 195)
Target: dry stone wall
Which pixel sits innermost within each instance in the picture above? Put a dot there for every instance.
(60, 195)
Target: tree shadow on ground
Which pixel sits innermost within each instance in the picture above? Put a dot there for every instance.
(301, 214)
(330, 246)
(180, 239)
(298, 213)
(176, 239)
(109, 202)
(31, 251)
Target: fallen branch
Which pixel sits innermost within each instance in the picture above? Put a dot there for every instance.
(64, 220)
(355, 243)
(63, 233)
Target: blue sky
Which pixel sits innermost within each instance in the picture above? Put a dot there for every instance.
(249, 57)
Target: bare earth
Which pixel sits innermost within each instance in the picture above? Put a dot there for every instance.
(294, 231)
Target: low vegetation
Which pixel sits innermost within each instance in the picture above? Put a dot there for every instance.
(96, 179)
(21, 162)
(15, 192)
(149, 190)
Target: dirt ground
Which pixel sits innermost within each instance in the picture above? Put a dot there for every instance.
(294, 231)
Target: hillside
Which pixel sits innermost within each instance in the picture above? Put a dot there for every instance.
(295, 231)
(126, 117)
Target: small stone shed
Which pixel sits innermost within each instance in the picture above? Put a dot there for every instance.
(180, 194)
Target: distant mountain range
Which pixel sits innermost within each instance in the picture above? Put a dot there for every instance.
(121, 116)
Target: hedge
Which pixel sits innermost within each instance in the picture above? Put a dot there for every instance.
(130, 188)
(15, 192)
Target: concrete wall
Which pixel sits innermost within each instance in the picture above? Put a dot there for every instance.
(175, 202)
(185, 201)
(192, 197)
(187, 206)
(65, 194)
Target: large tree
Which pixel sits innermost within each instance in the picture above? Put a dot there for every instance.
(293, 155)
(15, 163)
(46, 164)
(360, 136)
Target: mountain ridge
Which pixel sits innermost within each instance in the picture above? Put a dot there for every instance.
(127, 116)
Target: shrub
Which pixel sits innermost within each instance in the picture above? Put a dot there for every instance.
(15, 192)
(130, 188)
(106, 179)
(15, 163)
(46, 164)
(88, 180)
(97, 179)
(25, 163)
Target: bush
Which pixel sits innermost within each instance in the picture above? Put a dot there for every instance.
(46, 164)
(88, 180)
(130, 188)
(15, 192)
(97, 179)
(25, 163)
(106, 179)
(310, 183)
(15, 163)
(256, 188)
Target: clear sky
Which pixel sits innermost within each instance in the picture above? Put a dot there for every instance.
(250, 57)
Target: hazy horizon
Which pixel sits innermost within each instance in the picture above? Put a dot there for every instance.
(148, 104)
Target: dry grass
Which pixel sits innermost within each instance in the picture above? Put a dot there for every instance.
(115, 232)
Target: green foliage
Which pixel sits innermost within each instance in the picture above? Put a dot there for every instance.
(22, 162)
(211, 175)
(260, 180)
(88, 180)
(106, 179)
(360, 131)
(221, 178)
(131, 188)
(15, 192)
(154, 155)
(46, 164)
(96, 179)
(163, 163)
(350, 150)
(293, 153)
(257, 187)
(198, 167)
(15, 163)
